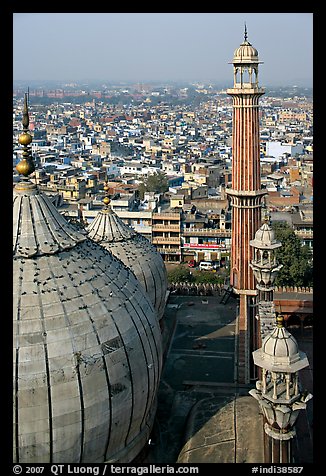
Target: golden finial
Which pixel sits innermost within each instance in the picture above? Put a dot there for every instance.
(106, 199)
(279, 319)
(26, 165)
(266, 217)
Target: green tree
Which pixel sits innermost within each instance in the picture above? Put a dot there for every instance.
(179, 274)
(182, 274)
(202, 277)
(296, 259)
(157, 182)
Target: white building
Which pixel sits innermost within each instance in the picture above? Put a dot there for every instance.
(277, 149)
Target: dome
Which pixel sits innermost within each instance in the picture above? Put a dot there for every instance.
(281, 346)
(87, 344)
(280, 352)
(246, 53)
(265, 238)
(135, 251)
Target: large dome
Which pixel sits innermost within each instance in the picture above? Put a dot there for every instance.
(87, 344)
(135, 251)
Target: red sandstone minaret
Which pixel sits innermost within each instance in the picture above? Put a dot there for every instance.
(245, 194)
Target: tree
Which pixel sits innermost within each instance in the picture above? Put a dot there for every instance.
(296, 259)
(156, 182)
(179, 274)
(203, 277)
(182, 274)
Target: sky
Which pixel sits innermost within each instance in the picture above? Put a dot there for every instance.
(160, 46)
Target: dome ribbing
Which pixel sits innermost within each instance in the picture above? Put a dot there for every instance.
(87, 344)
(135, 251)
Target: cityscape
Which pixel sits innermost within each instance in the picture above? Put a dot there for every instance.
(185, 136)
(163, 262)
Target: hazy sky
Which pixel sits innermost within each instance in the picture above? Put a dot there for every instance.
(160, 46)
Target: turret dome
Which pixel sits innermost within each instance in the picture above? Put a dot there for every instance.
(135, 251)
(245, 53)
(281, 346)
(265, 238)
(279, 351)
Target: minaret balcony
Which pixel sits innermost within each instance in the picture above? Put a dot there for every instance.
(245, 88)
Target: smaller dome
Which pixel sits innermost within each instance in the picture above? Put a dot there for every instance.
(246, 53)
(279, 351)
(265, 238)
(281, 345)
(135, 251)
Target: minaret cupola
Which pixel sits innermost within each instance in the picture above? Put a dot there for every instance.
(245, 65)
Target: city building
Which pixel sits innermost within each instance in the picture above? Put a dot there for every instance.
(166, 234)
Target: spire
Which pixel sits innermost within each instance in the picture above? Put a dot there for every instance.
(25, 120)
(245, 33)
(26, 165)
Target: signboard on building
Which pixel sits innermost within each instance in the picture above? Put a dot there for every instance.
(203, 246)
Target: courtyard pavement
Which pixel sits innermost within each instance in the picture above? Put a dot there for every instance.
(199, 339)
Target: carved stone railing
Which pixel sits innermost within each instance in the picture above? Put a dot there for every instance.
(196, 289)
(293, 289)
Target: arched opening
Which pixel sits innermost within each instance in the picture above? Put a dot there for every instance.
(246, 76)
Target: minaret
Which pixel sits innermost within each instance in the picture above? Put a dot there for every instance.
(245, 194)
(265, 268)
(279, 392)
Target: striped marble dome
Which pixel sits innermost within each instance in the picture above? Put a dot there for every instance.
(87, 343)
(135, 251)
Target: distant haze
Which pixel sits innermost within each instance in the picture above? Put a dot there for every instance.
(160, 46)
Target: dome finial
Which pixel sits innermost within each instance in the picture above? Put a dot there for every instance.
(279, 320)
(266, 217)
(106, 199)
(279, 317)
(25, 120)
(26, 165)
(245, 32)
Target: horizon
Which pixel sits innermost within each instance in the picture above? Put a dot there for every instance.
(74, 83)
